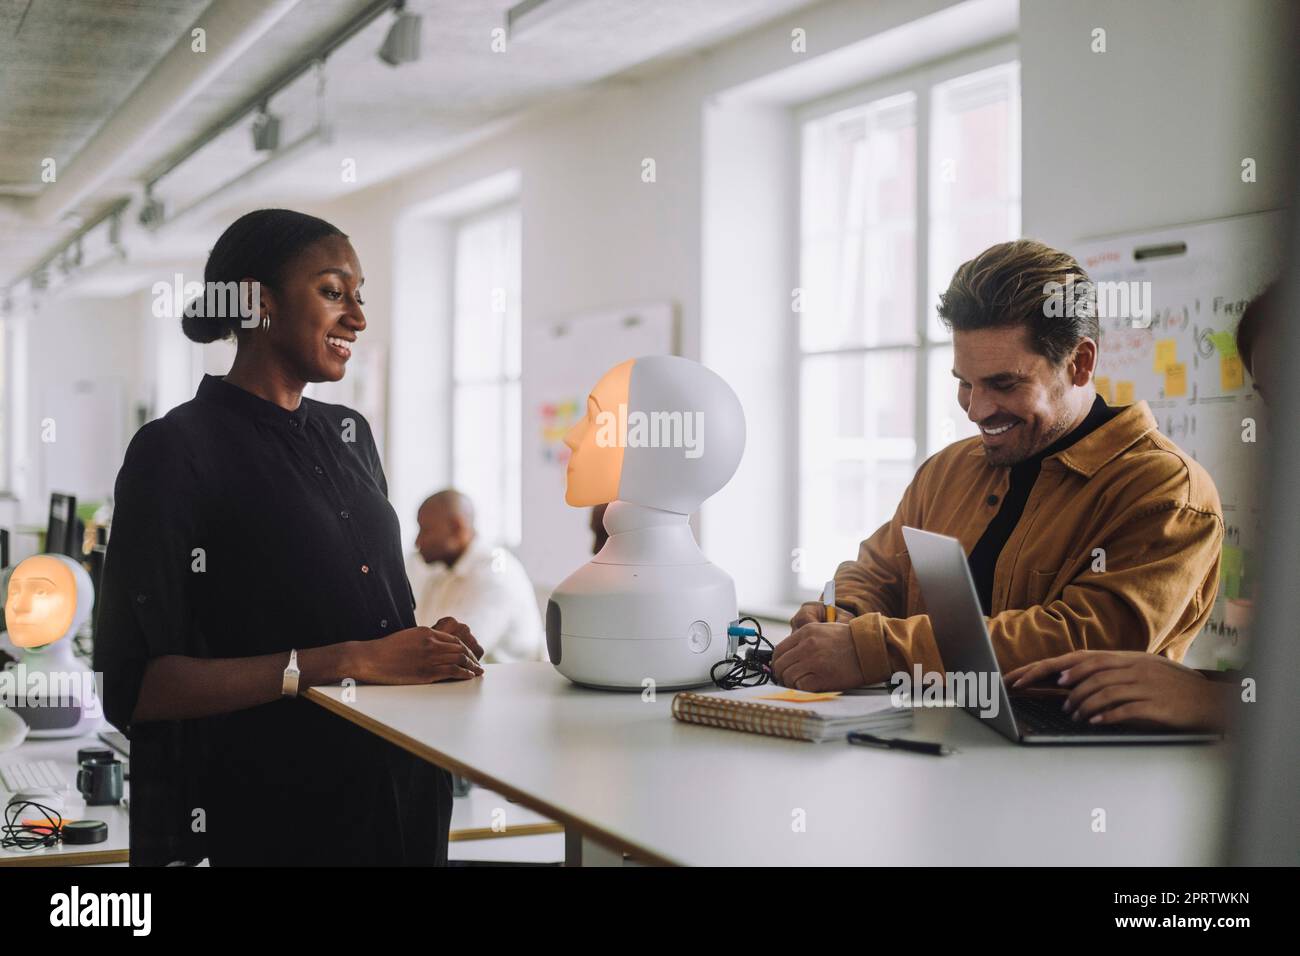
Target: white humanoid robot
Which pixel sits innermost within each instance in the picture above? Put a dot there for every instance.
(661, 435)
(48, 598)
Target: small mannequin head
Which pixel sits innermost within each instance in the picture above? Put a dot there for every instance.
(660, 431)
(49, 597)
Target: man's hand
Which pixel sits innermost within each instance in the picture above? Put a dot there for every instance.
(1131, 687)
(818, 657)
(812, 612)
(449, 625)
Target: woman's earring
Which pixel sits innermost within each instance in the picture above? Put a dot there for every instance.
(266, 322)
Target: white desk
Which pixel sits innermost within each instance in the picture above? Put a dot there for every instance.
(623, 776)
(64, 753)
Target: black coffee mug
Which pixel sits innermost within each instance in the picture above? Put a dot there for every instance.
(100, 781)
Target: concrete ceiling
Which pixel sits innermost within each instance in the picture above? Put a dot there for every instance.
(67, 66)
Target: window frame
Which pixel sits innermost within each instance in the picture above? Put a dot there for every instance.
(921, 82)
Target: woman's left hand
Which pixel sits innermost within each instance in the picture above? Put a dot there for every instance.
(449, 625)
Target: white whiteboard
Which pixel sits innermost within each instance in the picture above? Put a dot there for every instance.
(565, 359)
(1201, 278)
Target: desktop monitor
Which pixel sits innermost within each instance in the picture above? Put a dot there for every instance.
(61, 531)
(4, 547)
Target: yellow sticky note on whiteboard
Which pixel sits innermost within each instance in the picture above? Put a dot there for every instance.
(1166, 354)
(1103, 389)
(1231, 372)
(1123, 393)
(1175, 380)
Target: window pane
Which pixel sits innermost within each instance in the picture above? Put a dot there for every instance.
(946, 422)
(486, 307)
(858, 230)
(478, 459)
(486, 463)
(512, 507)
(974, 172)
(857, 452)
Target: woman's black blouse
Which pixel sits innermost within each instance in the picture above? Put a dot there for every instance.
(241, 529)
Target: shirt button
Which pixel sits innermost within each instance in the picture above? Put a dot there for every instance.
(320, 470)
(293, 423)
(384, 622)
(345, 514)
(993, 499)
(140, 599)
(365, 569)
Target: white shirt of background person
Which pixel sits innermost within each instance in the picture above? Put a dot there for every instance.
(488, 589)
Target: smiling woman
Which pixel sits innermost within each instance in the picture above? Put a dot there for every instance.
(254, 554)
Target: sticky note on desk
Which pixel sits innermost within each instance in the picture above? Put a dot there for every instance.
(792, 696)
(1166, 354)
(1175, 380)
(1232, 375)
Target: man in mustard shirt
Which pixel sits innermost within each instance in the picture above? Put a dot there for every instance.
(1084, 527)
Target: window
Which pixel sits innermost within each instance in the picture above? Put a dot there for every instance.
(900, 185)
(486, 411)
(7, 405)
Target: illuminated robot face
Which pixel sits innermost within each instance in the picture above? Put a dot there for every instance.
(660, 431)
(43, 598)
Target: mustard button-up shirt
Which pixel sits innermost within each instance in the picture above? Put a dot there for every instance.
(1118, 548)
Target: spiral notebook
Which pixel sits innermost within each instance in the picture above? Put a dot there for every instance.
(815, 717)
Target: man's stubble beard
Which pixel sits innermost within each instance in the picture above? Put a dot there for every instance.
(1059, 428)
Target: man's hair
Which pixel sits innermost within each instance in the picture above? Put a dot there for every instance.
(1011, 284)
(1258, 324)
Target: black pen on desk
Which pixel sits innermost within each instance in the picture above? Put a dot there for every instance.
(898, 743)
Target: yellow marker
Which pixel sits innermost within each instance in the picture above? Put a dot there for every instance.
(828, 598)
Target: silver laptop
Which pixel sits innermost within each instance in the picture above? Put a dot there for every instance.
(964, 644)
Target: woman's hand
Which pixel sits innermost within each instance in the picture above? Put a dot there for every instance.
(1131, 687)
(417, 655)
(449, 625)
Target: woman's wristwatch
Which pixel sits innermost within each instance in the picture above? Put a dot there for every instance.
(289, 686)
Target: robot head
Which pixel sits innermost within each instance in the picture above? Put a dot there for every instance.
(661, 431)
(49, 597)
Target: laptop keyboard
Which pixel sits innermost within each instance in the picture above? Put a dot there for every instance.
(1039, 716)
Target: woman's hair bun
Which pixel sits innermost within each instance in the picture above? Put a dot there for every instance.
(201, 328)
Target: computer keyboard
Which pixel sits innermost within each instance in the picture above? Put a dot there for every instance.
(1038, 715)
(28, 776)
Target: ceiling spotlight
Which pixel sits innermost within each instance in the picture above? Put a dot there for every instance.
(152, 212)
(266, 131)
(402, 45)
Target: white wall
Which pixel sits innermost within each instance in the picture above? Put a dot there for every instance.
(1153, 131)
